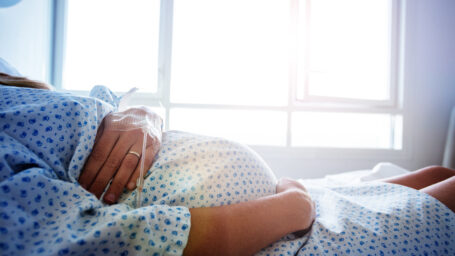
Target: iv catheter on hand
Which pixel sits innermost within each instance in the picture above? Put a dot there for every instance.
(137, 119)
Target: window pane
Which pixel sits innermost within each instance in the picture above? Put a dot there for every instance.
(349, 51)
(398, 132)
(344, 130)
(113, 43)
(230, 52)
(249, 127)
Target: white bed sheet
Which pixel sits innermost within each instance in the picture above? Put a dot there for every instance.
(380, 171)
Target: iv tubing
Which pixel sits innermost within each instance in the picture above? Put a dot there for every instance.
(140, 179)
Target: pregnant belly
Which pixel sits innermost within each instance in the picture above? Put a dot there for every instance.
(198, 171)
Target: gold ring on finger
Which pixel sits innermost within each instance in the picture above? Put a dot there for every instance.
(134, 153)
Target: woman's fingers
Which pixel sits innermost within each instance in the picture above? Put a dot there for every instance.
(112, 164)
(288, 183)
(116, 135)
(98, 156)
(150, 155)
(129, 164)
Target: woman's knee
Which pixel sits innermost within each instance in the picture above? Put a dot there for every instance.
(439, 172)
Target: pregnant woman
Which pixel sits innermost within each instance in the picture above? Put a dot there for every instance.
(202, 195)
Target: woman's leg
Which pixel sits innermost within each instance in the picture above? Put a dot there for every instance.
(444, 191)
(423, 178)
(436, 181)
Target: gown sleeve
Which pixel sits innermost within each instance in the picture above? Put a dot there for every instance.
(41, 215)
(45, 138)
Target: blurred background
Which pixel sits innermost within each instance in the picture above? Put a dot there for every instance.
(316, 87)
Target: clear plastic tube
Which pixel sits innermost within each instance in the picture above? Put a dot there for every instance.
(140, 179)
(150, 125)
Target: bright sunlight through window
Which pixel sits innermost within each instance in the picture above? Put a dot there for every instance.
(345, 49)
(313, 73)
(112, 43)
(230, 52)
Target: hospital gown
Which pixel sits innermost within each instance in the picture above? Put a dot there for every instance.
(368, 219)
(45, 138)
(44, 210)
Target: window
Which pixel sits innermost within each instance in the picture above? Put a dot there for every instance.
(345, 49)
(113, 43)
(288, 74)
(230, 52)
(346, 130)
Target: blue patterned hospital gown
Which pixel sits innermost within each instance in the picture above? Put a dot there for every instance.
(45, 138)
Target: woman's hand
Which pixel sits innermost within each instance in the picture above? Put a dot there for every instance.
(284, 184)
(245, 228)
(117, 152)
(305, 207)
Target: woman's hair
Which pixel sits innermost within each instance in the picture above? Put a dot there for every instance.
(18, 81)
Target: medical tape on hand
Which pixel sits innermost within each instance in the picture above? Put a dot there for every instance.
(128, 121)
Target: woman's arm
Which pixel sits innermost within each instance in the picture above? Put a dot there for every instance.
(245, 228)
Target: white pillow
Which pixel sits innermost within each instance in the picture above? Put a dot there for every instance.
(6, 68)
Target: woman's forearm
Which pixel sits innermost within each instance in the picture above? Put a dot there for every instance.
(245, 228)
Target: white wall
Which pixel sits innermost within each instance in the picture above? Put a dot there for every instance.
(25, 37)
(430, 77)
(429, 84)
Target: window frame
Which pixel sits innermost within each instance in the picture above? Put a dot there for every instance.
(58, 48)
(161, 98)
(394, 49)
